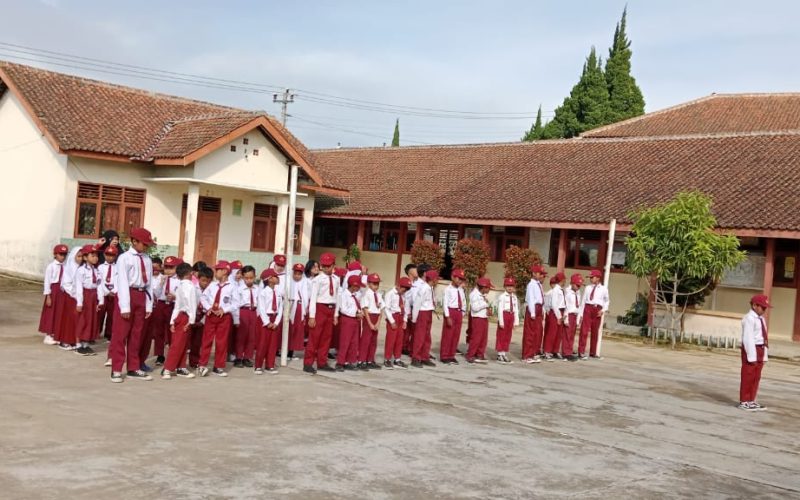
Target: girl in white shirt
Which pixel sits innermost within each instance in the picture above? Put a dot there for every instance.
(52, 287)
(86, 281)
(507, 319)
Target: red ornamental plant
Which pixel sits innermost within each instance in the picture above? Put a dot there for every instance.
(472, 256)
(518, 266)
(426, 252)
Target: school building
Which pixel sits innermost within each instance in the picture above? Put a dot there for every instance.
(559, 197)
(81, 156)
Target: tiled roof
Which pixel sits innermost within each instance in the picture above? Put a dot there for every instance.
(752, 178)
(713, 115)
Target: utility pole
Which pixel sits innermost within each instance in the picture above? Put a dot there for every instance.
(286, 98)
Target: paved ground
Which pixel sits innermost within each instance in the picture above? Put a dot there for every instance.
(642, 423)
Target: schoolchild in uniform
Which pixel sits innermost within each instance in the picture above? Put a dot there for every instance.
(183, 317)
(755, 344)
(533, 328)
(86, 305)
(559, 308)
(297, 311)
(52, 283)
(151, 322)
(408, 333)
(311, 272)
(422, 315)
(235, 279)
(134, 306)
(65, 327)
(573, 315)
(196, 267)
(279, 264)
(205, 275)
(162, 309)
(555, 317)
(107, 291)
(454, 306)
(396, 322)
(339, 273)
(270, 313)
(218, 302)
(372, 306)
(349, 313)
(480, 312)
(321, 316)
(594, 305)
(247, 294)
(507, 319)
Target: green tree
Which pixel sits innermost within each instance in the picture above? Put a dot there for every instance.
(537, 130)
(625, 97)
(675, 247)
(396, 136)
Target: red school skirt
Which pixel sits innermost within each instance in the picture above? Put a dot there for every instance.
(47, 320)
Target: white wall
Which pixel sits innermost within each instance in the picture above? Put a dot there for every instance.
(34, 192)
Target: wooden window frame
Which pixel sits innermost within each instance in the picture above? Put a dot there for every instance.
(107, 196)
(781, 254)
(299, 219)
(503, 238)
(272, 224)
(317, 231)
(386, 228)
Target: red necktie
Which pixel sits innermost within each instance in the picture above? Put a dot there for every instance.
(541, 292)
(433, 298)
(218, 296)
(358, 304)
(108, 274)
(376, 298)
(401, 303)
(458, 292)
(166, 292)
(591, 295)
(511, 304)
(576, 300)
(94, 275)
(274, 302)
(330, 285)
(764, 331)
(251, 298)
(142, 268)
(564, 295)
(60, 272)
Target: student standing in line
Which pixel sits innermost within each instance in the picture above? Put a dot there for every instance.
(349, 314)
(755, 344)
(270, 313)
(339, 273)
(218, 302)
(422, 315)
(321, 316)
(412, 273)
(107, 292)
(150, 322)
(454, 306)
(533, 328)
(247, 294)
(205, 275)
(372, 306)
(162, 308)
(65, 325)
(479, 312)
(555, 317)
(298, 310)
(134, 306)
(52, 283)
(573, 315)
(560, 307)
(507, 319)
(594, 305)
(86, 308)
(184, 315)
(235, 279)
(396, 322)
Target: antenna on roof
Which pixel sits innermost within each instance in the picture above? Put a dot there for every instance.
(338, 145)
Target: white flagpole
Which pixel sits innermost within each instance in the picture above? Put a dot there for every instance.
(612, 229)
(289, 274)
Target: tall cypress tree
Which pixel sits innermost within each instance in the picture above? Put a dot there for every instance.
(396, 136)
(536, 132)
(625, 97)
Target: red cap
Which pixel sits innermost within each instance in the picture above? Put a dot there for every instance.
(404, 282)
(538, 269)
(172, 261)
(354, 280)
(354, 266)
(374, 278)
(61, 249)
(299, 268)
(340, 272)
(279, 260)
(576, 279)
(110, 250)
(559, 277)
(485, 282)
(236, 264)
(431, 275)
(327, 259)
(760, 300)
(222, 264)
(88, 249)
(553, 280)
(509, 282)
(458, 273)
(595, 273)
(268, 273)
(142, 235)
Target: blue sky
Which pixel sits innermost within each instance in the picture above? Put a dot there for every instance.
(479, 57)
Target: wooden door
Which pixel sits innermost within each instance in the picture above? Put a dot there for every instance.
(208, 216)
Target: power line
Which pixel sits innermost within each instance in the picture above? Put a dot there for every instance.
(328, 126)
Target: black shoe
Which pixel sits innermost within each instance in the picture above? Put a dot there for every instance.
(416, 363)
(406, 353)
(247, 362)
(454, 361)
(373, 366)
(400, 364)
(350, 367)
(339, 368)
(309, 369)
(428, 362)
(471, 361)
(363, 367)
(160, 361)
(237, 363)
(574, 357)
(558, 355)
(331, 356)
(326, 368)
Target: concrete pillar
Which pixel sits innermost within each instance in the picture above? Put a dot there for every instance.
(280, 226)
(562, 250)
(769, 271)
(190, 229)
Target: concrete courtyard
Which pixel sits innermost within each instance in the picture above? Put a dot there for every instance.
(642, 423)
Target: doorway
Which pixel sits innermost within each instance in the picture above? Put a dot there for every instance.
(207, 232)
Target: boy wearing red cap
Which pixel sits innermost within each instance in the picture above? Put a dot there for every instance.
(533, 328)
(279, 264)
(755, 344)
(396, 322)
(218, 302)
(507, 319)
(349, 314)
(52, 283)
(148, 335)
(134, 306)
(107, 292)
(454, 306)
(479, 313)
(205, 276)
(86, 281)
(235, 279)
(422, 316)
(270, 313)
(573, 315)
(321, 316)
(183, 317)
(594, 305)
(339, 273)
(246, 297)
(297, 310)
(372, 306)
(162, 308)
(553, 335)
(411, 271)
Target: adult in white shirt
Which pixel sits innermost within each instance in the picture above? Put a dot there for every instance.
(755, 344)
(533, 326)
(594, 305)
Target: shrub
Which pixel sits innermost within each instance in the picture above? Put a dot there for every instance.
(353, 254)
(472, 256)
(426, 252)
(518, 266)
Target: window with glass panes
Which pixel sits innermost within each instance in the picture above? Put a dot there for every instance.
(101, 207)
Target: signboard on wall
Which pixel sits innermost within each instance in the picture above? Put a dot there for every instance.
(748, 274)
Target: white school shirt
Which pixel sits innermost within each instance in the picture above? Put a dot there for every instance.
(320, 292)
(129, 275)
(201, 311)
(186, 297)
(450, 299)
(299, 298)
(161, 292)
(478, 306)
(391, 300)
(548, 301)
(246, 296)
(372, 301)
(226, 298)
(347, 304)
(534, 294)
(85, 277)
(108, 283)
(52, 274)
(265, 305)
(507, 302)
(424, 300)
(557, 300)
(752, 335)
(600, 297)
(573, 303)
